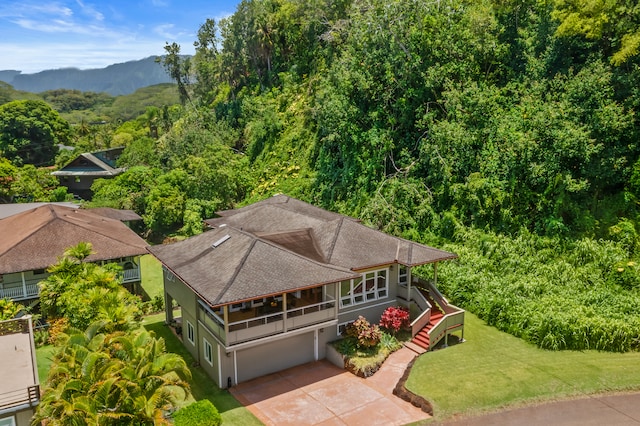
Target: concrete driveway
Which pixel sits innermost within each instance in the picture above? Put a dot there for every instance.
(320, 393)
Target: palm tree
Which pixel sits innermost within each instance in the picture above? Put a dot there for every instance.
(110, 379)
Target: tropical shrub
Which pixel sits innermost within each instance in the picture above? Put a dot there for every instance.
(394, 319)
(552, 292)
(389, 342)
(367, 335)
(84, 292)
(9, 309)
(57, 327)
(40, 337)
(107, 378)
(200, 413)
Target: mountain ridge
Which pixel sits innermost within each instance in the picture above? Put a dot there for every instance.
(116, 79)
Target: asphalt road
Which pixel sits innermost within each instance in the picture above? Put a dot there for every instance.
(614, 410)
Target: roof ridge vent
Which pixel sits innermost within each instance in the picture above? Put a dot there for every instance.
(220, 241)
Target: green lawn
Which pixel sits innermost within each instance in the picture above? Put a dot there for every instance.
(151, 270)
(43, 361)
(492, 369)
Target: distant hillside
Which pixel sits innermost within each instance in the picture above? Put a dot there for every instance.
(117, 79)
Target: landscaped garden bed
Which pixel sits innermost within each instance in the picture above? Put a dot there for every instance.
(365, 346)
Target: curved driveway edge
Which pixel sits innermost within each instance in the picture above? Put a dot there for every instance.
(319, 393)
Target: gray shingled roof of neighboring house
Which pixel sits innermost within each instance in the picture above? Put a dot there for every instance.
(283, 244)
(242, 266)
(97, 167)
(34, 239)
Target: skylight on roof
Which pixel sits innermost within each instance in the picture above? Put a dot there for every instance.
(220, 241)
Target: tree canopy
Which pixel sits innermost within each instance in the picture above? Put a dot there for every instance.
(30, 132)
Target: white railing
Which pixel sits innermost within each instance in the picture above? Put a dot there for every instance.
(129, 275)
(270, 324)
(19, 293)
(448, 324)
(423, 304)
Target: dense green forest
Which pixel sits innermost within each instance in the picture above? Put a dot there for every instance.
(505, 131)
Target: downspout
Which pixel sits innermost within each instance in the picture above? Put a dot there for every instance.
(235, 366)
(336, 292)
(219, 365)
(24, 285)
(409, 279)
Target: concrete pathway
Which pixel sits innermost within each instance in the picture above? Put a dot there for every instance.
(320, 393)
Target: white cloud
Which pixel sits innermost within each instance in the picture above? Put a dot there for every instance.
(21, 9)
(165, 31)
(90, 11)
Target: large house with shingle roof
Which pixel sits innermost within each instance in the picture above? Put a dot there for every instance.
(270, 284)
(35, 239)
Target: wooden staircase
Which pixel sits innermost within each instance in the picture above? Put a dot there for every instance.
(422, 339)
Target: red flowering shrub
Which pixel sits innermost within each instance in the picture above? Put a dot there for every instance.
(395, 318)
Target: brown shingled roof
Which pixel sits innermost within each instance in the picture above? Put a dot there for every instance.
(242, 267)
(119, 214)
(36, 238)
(338, 240)
(283, 244)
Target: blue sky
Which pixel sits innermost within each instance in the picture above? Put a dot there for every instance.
(40, 34)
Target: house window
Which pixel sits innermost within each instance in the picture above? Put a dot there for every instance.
(38, 272)
(9, 421)
(257, 302)
(342, 327)
(236, 307)
(403, 274)
(191, 333)
(208, 351)
(371, 286)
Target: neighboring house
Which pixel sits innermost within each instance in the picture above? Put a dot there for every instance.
(19, 387)
(128, 217)
(35, 239)
(79, 174)
(10, 209)
(273, 282)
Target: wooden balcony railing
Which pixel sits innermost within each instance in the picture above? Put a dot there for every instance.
(28, 396)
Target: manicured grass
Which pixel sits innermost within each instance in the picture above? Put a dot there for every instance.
(202, 387)
(151, 270)
(43, 361)
(492, 370)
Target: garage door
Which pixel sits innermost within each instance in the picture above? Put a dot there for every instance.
(275, 356)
